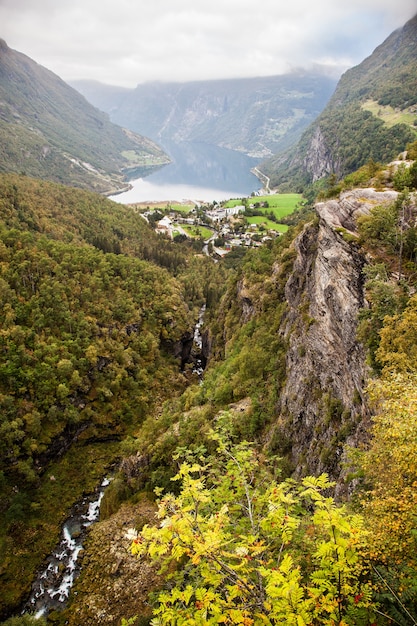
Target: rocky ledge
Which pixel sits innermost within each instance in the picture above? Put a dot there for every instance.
(322, 406)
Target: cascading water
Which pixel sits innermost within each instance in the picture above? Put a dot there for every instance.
(198, 340)
(53, 584)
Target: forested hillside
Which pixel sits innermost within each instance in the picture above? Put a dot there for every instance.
(96, 314)
(91, 351)
(371, 115)
(313, 363)
(49, 131)
(279, 485)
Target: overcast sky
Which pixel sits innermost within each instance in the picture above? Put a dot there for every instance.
(126, 42)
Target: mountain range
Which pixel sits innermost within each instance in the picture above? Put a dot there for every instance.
(48, 130)
(371, 116)
(293, 124)
(256, 116)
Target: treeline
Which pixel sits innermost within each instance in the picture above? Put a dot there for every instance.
(77, 216)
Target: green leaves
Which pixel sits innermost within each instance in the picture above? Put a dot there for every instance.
(263, 552)
(80, 332)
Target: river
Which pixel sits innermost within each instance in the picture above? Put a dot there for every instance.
(51, 588)
(198, 171)
(54, 580)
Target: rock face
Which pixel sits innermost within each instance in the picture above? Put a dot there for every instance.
(319, 160)
(322, 405)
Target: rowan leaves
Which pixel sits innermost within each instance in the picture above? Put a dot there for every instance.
(246, 549)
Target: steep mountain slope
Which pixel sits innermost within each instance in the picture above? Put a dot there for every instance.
(287, 371)
(371, 115)
(91, 338)
(257, 116)
(49, 131)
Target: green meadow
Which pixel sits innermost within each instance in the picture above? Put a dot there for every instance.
(389, 115)
(267, 223)
(197, 231)
(281, 204)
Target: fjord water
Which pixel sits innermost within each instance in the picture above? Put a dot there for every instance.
(198, 171)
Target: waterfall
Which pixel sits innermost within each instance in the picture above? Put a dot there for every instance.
(198, 340)
(53, 584)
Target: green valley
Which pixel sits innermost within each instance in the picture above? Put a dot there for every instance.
(230, 385)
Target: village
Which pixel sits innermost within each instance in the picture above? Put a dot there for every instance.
(221, 227)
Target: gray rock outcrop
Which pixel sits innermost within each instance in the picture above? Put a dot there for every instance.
(322, 405)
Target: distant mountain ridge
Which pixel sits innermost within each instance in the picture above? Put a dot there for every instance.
(255, 116)
(371, 115)
(48, 130)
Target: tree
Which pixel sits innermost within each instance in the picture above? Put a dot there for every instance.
(388, 501)
(402, 178)
(242, 548)
(379, 228)
(397, 351)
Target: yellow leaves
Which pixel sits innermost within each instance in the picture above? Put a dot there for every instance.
(243, 543)
(398, 347)
(286, 564)
(390, 465)
(187, 594)
(186, 469)
(236, 616)
(317, 482)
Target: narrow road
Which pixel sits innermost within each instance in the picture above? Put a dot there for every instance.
(263, 178)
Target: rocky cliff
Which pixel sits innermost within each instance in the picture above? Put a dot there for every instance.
(319, 160)
(370, 116)
(322, 405)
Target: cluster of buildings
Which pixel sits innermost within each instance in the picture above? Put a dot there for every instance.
(223, 221)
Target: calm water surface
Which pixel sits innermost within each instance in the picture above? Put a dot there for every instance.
(198, 172)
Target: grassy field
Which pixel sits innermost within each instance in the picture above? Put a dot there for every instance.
(197, 231)
(182, 208)
(281, 204)
(164, 205)
(268, 224)
(389, 115)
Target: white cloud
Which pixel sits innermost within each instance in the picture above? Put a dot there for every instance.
(132, 41)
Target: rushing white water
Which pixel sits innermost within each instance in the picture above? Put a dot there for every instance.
(198, 340)
(53, 585)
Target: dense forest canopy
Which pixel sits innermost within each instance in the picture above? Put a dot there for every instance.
(95, 307)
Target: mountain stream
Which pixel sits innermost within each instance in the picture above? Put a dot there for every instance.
(53, 583)
(198, 340)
